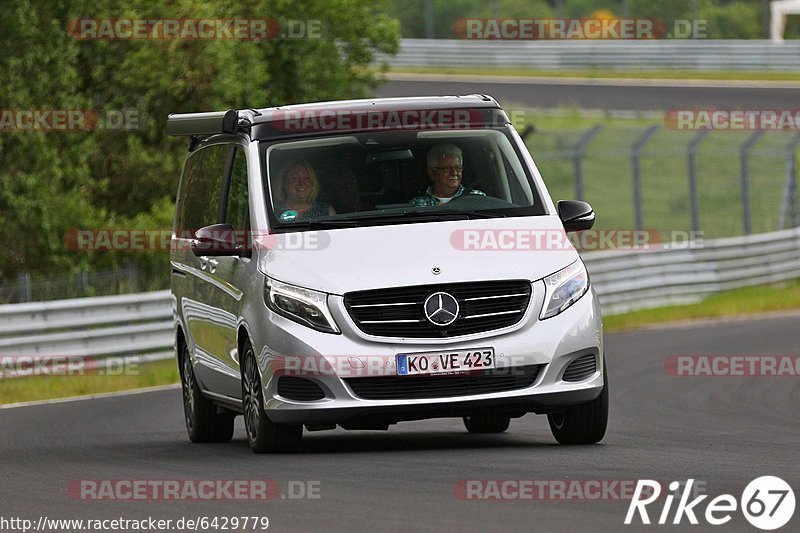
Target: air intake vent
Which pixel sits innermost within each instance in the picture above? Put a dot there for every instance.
(419, 387)
(581, 368)
(399, 312)
(299, 389)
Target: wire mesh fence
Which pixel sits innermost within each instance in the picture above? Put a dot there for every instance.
(721, 183)
(127, 280)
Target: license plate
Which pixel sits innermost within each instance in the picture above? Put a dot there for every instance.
(452, 362)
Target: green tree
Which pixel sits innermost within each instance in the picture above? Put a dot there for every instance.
(53, 182)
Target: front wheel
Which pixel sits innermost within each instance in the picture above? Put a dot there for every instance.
(584, 423)
(205, 422)
(263, 435)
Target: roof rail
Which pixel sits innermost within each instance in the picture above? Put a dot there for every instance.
(195, 124)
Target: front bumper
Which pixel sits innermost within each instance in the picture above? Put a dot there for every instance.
(552, 344)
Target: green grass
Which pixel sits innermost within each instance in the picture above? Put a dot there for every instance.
(24, 389)
(627, 74)
(744, 301)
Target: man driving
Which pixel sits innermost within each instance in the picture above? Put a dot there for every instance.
(444, 163)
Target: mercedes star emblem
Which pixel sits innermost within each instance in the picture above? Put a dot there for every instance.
(441, 309)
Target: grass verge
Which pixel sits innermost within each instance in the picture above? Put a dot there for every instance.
(26, 389)
(744, 301)
(644, 74)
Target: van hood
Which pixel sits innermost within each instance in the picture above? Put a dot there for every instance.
(338, 261)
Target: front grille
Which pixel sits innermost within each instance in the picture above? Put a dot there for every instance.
(581, 368)
(299, 389)
(399, 312)
(421, 387)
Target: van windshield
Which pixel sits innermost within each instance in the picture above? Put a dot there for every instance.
(392, 177)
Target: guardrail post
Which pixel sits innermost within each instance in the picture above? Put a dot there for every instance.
(636, 150)
(25, 290)
(577, 156)
(692, 155)
(744, 155)
(789, 203)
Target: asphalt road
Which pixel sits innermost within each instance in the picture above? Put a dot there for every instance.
(608, 95)
(721, 431)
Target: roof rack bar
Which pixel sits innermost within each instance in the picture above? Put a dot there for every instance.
(203, 123)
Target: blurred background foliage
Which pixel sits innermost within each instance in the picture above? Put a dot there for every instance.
(54, 182)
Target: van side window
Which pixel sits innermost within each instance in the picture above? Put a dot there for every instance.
(237, 213)
(202, 187)
(191, 170)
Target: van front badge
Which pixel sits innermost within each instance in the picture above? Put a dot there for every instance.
(436, 271)
(441, 309)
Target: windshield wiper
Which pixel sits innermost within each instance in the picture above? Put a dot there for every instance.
(349, 221)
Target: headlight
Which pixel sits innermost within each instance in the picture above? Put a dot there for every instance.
(305, 306)
(564, 288)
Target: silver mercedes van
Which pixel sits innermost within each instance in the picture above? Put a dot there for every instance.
(366, 262)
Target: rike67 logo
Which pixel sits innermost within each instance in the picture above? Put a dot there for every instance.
(767, 503)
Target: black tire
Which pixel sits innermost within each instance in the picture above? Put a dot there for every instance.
(584, 423)
(263, 435)
(486, 424)
(205, 422)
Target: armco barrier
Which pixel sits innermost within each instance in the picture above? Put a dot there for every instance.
(130, 325)
(140, 325)
(683, 54)
(639, 279)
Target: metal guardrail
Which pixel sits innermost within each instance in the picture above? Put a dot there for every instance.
(140, 325)
(120, 327)
(688, 54)
(631, 280)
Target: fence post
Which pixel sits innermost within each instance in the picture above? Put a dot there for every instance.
(25, 291)
(636, 150)
(577, 156)
(692, 155)
(744, 155)
(133, 277)
(789, 203)
(83, 278)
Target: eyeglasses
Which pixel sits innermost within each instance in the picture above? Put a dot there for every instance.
(449, 170)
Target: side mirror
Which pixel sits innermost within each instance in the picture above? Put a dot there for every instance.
(575, 215)
(217, 240)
